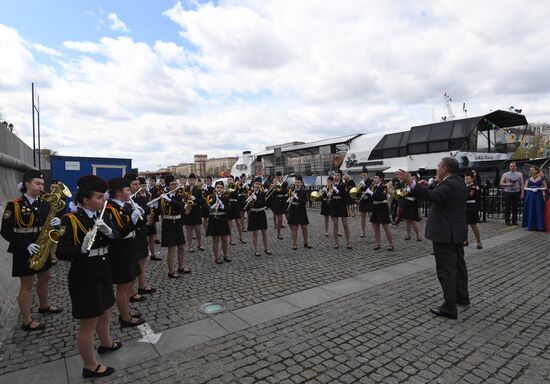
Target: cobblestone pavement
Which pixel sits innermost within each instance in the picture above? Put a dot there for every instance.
(385, 334)
(247, 280)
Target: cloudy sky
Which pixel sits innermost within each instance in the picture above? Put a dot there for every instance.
(159, 81)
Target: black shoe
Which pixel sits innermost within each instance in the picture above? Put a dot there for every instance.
(140, 299)
(156, 258)
(146, 291)
(184, 270)
(464, 303)
(124, 323)
(157, 241)
(227, 259)
(174, 275)
(514, 223)
(50, 310)
(86, 373)
(27, 327)
(116, 345)
(439, 312)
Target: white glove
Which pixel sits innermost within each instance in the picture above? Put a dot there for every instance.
(193, 198)
(335, 189)
(55, 222)
(166, 197)
(86, 242)
(33, 248)
(136, 215)
(324, 189)
(103, 228)
(369, 191)
(388, 195)
(221, 206)
(295, 196)
(136, 207)
(254, 197)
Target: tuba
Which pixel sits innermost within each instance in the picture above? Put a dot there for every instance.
(48, 236)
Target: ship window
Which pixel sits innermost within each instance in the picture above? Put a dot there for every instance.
(461, 129)
(392, 140)
(441, 131)
(417, 148)
(438, 146)
(393, 152)
(419, 134)
(375, 154)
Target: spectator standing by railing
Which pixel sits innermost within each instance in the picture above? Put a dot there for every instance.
(512, 182)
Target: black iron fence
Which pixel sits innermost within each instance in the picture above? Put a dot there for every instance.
(490, 206)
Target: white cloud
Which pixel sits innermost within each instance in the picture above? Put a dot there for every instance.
(268, 71)
(46, 50)
(116, 23)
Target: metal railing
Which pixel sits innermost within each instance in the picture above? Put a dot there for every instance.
(490, 206)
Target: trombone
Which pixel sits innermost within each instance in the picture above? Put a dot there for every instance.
(276, 186)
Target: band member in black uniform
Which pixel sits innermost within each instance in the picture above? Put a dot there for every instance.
(350, 203)
(126, 218)
(137, 186)
(193, 221)
(234, 213)
(365, 202)
(472, 215)
(244, 187)
(154, 192)
(183, 182)
(339, 209)
(380, 210)
(171, 209)
(278, 201)
(257, 219)
(325, 203)
(21, 225)
(207, 189)
(85, 244)
(218, 225)
(410, 211)
(297, 213)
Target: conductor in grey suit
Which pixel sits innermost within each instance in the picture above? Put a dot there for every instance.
(447, 229)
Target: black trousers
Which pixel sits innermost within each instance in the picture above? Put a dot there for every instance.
(452, 274)
(511, 202)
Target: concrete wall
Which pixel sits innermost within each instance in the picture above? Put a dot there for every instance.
(15, 158)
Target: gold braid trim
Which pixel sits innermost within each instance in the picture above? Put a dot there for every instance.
(19, 219)
(76, 224)
(117, 217)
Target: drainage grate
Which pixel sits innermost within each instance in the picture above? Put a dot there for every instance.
(211, 308)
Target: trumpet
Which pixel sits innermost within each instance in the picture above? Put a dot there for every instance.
(187, 198)
(95, 228)
(290, 199)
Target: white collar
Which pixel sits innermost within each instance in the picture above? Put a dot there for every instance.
(120, 203)
(87, 211)
(31, 200)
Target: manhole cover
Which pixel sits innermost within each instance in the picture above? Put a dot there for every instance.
(211, 308)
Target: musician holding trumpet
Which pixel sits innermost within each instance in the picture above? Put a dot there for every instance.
(85, 244)
(257, 219)
(218, 222)
(297, 213)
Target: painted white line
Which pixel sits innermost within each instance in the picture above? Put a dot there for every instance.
(149, 336)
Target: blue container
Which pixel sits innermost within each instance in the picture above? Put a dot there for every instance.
(67, 169)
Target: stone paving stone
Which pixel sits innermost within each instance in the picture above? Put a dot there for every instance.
(506, 293)
(411, 345)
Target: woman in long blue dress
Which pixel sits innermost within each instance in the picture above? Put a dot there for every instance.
(534, 204)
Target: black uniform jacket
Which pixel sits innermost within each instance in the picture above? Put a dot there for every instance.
(18, 216)
(76, 225)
